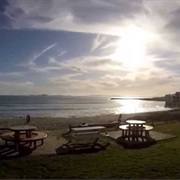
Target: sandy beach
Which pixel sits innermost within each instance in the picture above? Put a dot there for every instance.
(55, 127)
(62, 124)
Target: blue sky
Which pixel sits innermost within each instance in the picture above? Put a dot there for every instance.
(89, 47)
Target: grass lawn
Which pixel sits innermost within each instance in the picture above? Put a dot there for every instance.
(161, 160)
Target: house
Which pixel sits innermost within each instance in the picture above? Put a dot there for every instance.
(172, 100)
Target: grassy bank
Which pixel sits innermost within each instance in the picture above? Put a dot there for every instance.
(161, 160)
(155, 117)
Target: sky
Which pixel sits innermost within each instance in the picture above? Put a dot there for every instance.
(89, 47)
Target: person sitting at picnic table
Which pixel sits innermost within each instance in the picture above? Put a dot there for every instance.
(28, 119)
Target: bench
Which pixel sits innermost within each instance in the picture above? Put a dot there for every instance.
(83, 139)
(127, 129)
(8, 137)
(106, 125)
(39, 136)
(4, 128)
(36, 136)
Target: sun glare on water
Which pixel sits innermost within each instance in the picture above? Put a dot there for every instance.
(131, 49)
(130, 106)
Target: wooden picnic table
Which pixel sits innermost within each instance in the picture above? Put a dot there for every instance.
(136, 122)
(23, 133)
(85, 136)
(18, 129)
(88, 128)
(135, 128)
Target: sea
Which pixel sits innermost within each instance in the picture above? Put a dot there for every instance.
(73, 106)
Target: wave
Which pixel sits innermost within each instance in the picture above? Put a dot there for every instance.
(43, 109)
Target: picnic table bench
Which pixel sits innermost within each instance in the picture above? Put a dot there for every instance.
(36, 136)
(106, 125)
(128, 130)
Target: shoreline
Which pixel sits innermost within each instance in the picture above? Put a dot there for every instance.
(89, 116)
(61, 123)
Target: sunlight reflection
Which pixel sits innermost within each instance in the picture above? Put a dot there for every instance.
(129, 106)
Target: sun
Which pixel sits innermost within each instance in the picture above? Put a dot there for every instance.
(131, 48)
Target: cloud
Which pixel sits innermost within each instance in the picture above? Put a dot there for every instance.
(40, 19)
(82, 64)
(91, 63)
(110, 84)
(80, 16)
(16, 88)
(130, 83)
(15, 84)
(61, 53)
(31, 63)
(3, 5)
(44, 69)
(104, 10)
(12, 74)
(36, 56)
(97, 42)
(29, 83)
(52, 61)
(171, 28)
(100, 16)
(104, 44)
(95, 71)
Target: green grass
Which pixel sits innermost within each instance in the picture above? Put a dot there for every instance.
(158, 116)
(161, 160)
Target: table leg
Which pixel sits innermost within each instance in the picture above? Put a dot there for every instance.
(126, 133)
(17, 138)
(147, 134)
(129, 134)
(17, 135)
(17, 146)
(28, 134)
(34, 144)
(141, 130)
(122, 133)
(133, 133)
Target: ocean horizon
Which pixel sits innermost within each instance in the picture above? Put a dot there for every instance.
(69, 106)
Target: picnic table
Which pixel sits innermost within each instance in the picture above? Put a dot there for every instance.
(135, 129)
(85, 136)
(23, 133)
(136, 122)
(22, 128)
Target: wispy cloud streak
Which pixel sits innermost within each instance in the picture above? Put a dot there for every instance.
(36, 56)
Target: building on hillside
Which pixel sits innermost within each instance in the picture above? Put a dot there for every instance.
(172, 100)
